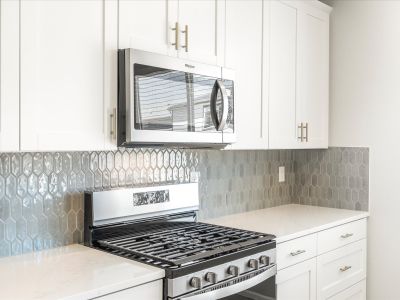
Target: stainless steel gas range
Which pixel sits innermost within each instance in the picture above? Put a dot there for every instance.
(158, 226)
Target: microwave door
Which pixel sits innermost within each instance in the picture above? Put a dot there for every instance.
(172, 107)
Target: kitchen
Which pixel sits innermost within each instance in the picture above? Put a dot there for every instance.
(198, 149)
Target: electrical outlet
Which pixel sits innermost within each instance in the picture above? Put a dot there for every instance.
(281, 174)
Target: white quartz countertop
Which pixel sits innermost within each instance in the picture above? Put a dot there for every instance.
(71, 272)
(290, 221)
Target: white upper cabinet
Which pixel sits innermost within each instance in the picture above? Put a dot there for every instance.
(244, 54)
(299, 75)
(312, 99)
(282, 74)
(201, 25)
(189, 29)
(9, 75)
(148, 25)
(62, 75)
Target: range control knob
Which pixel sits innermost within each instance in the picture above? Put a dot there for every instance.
(264, 260)
(233, 271)
(195, 282)
(253, 263)
(211, 277)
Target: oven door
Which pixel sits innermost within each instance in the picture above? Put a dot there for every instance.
(174, 101)
(256, 285)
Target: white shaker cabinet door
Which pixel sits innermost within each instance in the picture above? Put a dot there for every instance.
(243, 53)
(297, 282)
(148, 25)
(282, 76)
(9, 75)
(312, 102)
(62, 104)
(202, 30)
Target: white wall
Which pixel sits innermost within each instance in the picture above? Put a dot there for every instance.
(365, 111)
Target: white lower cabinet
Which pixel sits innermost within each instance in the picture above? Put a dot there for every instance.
(355, 292)
(327, 265)
(341, 268)
(148, 291)
(297, 282)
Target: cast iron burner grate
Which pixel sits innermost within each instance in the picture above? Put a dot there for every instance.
(184, 243)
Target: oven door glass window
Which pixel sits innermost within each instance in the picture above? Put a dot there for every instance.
(173, 100)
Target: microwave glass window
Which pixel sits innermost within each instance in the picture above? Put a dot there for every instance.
(172, 100)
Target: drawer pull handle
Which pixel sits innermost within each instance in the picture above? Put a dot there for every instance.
(345, 268)
(298, 252)
(347, 235)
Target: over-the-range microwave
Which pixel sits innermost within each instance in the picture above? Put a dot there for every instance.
(166, 100)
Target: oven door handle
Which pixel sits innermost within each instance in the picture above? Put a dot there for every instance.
(234, 288)
(219, 124)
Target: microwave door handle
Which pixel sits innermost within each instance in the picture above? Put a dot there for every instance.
(242, 285)
(213, 105)
(225, 105)
(219, 124)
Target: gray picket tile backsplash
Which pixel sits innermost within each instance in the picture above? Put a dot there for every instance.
(41, 199)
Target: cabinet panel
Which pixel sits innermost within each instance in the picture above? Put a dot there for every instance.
(282, 74)
(313, 76)
(297, 282)
(205, 36)
(110, 73)
(147, 25)
(341, 268)
(243, 53)
(9, 75)
(148, 291)
(356, 292)
(295, 251)
(62, 105)
(341, 235)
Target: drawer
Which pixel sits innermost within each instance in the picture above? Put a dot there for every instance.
(342, 235)
(341, 268)
(295, 251)
(355, 292)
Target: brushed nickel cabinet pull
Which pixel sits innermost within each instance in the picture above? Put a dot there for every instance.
(113, 124)
(345, 268)
(186, 32)
(301, 137)
(347, 235)
(306, 138)
(298, 252)
(176, 29)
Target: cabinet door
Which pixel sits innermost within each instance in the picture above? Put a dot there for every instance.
(297, 282)
(244, 40)
(204, 39)
(9, 75)
(282, 76)
(313, 75)
(148, 25)
(62, 105)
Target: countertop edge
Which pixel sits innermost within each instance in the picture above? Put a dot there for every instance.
(114, 288)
